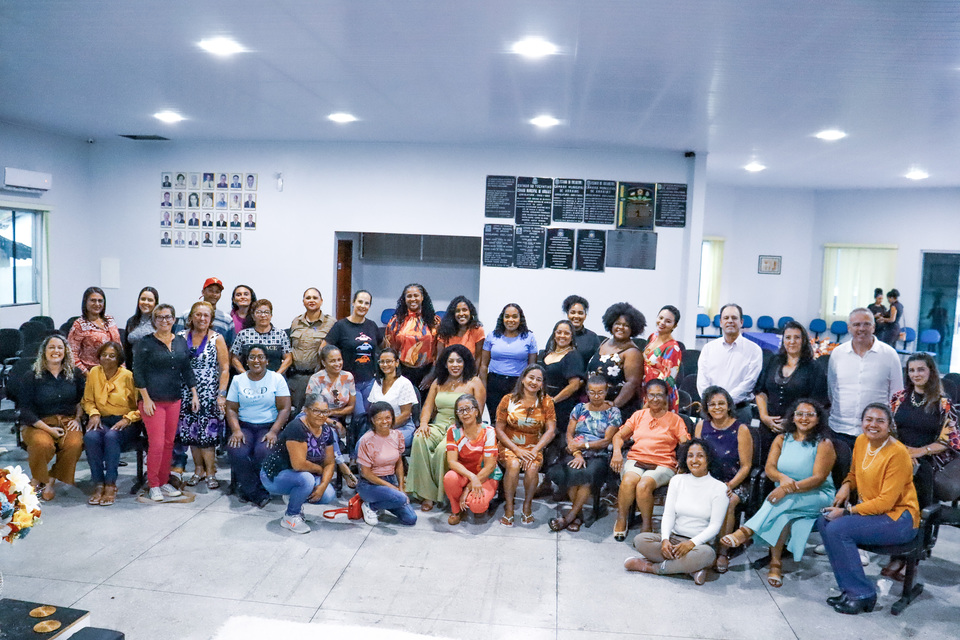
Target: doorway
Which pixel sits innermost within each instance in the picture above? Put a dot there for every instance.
(938, 310)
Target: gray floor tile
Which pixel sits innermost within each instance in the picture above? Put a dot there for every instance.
(434, 628)
(45, 591)
(568, 634)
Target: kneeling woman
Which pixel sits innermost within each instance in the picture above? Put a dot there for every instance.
(472, 457)
(301, 465)
(693, 513)
(800, 461)
(380, 456)
(887, 512)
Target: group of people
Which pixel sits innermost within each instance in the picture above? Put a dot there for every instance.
(400, 412)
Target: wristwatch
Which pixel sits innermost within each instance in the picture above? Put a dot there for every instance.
(223, 394)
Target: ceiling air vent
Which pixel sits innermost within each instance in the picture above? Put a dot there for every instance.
(133, 136)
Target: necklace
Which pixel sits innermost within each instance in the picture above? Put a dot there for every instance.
(872, 454)
(913, 399)
(562, 351)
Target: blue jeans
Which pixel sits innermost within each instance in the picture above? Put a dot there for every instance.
(247, 458)
(388, 498)
(359, 423)
(840, 537)
(104, 446)
(298, 485)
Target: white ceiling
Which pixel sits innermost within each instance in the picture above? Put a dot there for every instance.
(738, 80)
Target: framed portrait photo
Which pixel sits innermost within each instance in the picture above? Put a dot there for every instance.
(769, 265)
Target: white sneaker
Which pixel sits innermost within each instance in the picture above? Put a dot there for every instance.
(155, 494)
(864, 558)
(820, 550)
(369, 515)
(170, 491)
(295, 524)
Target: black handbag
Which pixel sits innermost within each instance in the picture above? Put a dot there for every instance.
(946, 482)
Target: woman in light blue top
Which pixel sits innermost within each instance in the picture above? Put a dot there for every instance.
(800, 462)
(507, 351)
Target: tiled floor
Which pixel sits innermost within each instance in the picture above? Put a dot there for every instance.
(180, 571)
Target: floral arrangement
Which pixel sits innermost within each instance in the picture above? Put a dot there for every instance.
(19, 507)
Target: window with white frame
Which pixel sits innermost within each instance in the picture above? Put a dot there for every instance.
(21, 233)
(711, 268)
(851, 273)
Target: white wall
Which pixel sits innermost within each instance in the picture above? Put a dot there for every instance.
(72, 230)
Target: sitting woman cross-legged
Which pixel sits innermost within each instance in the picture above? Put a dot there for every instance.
(887, 512)
(800, 461)
(380, 456)
(301, 465)
(694, 510)
(590, 430)
(651, 461)
(732, 447)
(110, 399)
(472, 457)
(526, 423)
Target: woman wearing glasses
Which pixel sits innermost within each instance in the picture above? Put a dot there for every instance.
(161, 368)
(274, 341)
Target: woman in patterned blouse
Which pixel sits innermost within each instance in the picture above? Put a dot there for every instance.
(92, 329)
(274, 340)
(661, 356)
(412, 331)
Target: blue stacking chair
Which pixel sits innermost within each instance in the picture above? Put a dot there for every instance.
(839, 328)
(909, 335)
(817, 327)
(930, 337)
(765, 324)
(703, 321)
(747, 322)
(782, 322)
(386, 314)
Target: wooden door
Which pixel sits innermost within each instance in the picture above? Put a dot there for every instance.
(344, 277)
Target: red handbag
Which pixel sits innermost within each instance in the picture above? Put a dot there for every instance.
(352, 510)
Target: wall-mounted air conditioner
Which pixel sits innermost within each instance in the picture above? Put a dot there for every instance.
(23, 180)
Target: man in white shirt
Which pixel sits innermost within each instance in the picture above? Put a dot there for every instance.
(861, 371)
(732, 362)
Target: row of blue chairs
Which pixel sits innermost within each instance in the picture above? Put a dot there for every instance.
(764, 323)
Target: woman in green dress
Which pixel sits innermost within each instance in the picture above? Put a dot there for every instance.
(800, 462)
(455, 374)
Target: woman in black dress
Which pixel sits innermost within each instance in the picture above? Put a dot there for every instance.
(619, 360)
(564, 378)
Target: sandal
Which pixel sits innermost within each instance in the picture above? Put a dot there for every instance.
(426, 505)
(454, 519)
(895, 566)
(506, 521)
(737, 538)
(723, 564)
(557, 524)
(212, 483)
(194, 480)
(526, 518)
(351, 480)
(97, 495)
(575, 525)
(109, 495)
(775, 574)
(47, 492)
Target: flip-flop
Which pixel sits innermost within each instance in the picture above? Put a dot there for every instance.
(526, 518)
(426, 505)
(557, 524)
(505, 521)
(723, 564)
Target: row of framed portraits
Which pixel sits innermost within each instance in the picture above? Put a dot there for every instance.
(246, 220)
(177, 239)
(221, 200)
(207, 180)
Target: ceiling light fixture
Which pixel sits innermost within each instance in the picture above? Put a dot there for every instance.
(170, 117)
(544, 122)
(534, 48)
(221, 46)
(831, 134)
(342, 118)
(754, 167)
(917, 174)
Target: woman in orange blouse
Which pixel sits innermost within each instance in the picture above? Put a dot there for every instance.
(412, 331)
(661, 356)
(460, 325)
(92, 329)
(886, 512)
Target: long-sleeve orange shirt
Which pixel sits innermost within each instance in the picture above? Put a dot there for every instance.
(883, 481)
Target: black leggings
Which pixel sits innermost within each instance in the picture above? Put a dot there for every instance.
(498, 386)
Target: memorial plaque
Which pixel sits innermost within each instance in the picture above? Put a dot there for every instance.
(498, 245)
(559, 251)
(600, 201)
(568, 200)
(501, 196)
(671, 205)
(534, 198)
(632, 249)
(635, 202)
(591, 249)
(529, 246)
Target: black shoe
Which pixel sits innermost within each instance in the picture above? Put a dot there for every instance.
(242, 498)
(262, 502)
(835, 600)
(853, 607)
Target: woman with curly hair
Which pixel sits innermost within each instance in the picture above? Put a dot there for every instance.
(508, 349)
(576, 308)
(618, 359)
(460, 325)
(412, 331)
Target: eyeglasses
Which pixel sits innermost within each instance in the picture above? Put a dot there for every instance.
(804, 414)
(716, 405)
(256, 357)
(163, 318)
(263, 312)
(465, 410)
(659, 396)
(317, 412)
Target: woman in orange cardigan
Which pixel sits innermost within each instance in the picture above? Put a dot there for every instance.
(887, 511)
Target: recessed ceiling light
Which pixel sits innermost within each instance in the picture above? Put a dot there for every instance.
(169, 117)
(754, 167)
(831, 135)
(544, 121)
(342, 118)
(221, 46)
(917, 174)
(534, 47)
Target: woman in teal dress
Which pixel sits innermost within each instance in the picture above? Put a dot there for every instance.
(456, 374)
(800, 462)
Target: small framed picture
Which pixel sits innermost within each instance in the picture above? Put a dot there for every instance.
(179, 219)
(222, 181)
(249, 201)
(166, 219)
(235, 240)
(195, 181)
(250, 222)
(222, 239)
(207, 220)
(166, 199)
(194, 242)
(221, 221)
(179, 242)
(208, 182)
(165, 182)
(235, 181)
(250, 182)
(194, 220)
(769, 265)
(165, 240)
(221, 199)
(193, 200)
(207, 239)
(207, 201)
(181, 182)
(235, 221)
(235, 201)
(180, 200)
